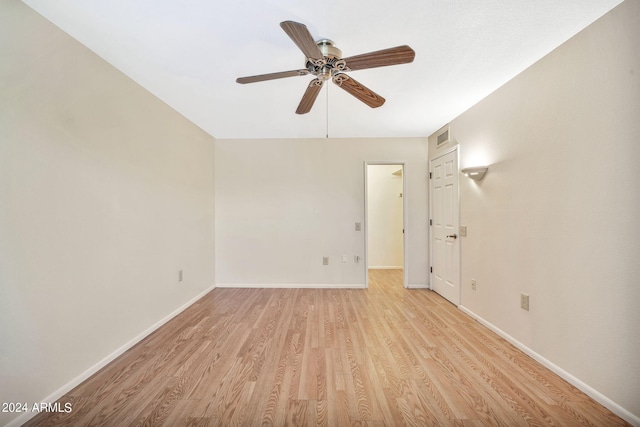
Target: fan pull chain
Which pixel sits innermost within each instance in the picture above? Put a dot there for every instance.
(327, 134)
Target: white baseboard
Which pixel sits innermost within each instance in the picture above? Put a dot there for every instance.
(307, 285)
(385, 267)
(292, 285)
(108, 359)
(585, 388)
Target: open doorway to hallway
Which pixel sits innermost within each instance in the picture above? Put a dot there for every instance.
(385, 219)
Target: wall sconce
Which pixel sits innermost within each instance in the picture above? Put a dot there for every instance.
(476, 173)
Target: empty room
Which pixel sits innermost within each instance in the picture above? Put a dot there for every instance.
(205, 219)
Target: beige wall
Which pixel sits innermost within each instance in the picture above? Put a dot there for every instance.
(281, 205)
(105, 193)
(556, 216)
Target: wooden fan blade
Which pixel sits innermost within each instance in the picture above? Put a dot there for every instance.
(356, 89)
(309, 96)
(271, 76)
(381, 58)
(302, 38)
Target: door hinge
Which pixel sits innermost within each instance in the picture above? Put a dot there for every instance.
(430, 222)
(429, 175)
(430, 269)
(403, 231)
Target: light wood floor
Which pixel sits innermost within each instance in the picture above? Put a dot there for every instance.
(385, 356)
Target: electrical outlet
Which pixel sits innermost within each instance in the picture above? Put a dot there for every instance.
(179, 275)
(473, 284)
(358, 226)
(325, 260)
(524, 301)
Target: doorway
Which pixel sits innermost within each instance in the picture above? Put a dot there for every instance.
(385, 207)
(444, 226)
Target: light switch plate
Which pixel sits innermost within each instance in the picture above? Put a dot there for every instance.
(463, 230)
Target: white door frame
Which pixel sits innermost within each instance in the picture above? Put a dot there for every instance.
(405, 223)
(431, 243)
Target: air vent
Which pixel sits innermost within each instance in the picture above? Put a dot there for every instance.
(443, 138)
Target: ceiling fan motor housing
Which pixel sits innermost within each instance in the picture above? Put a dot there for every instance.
(331, 63)
(328, 48)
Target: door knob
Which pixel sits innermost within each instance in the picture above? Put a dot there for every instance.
(455, 236)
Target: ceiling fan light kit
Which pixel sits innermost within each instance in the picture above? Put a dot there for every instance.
(324, 61)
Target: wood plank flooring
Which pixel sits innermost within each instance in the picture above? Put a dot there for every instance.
(384, 356)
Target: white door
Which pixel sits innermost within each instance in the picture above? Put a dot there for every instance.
(445, 242)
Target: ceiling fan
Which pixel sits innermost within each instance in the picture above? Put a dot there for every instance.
(324, 61)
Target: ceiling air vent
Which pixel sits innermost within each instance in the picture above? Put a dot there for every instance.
(442, 138)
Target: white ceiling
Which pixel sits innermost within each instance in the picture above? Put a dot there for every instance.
(189, 53)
